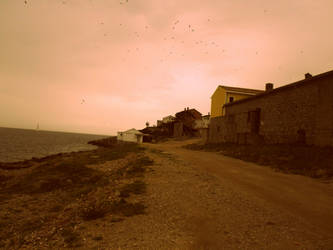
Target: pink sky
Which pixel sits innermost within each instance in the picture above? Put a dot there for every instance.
(140, 60)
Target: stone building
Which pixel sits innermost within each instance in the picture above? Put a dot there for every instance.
(301, 112)
(188, 117)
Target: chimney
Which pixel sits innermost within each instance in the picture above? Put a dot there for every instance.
(308, 75)
(269, 87)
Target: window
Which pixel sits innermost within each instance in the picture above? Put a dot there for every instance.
(231, 99)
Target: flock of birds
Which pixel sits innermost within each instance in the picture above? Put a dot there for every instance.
(207, 44)
(175, 32)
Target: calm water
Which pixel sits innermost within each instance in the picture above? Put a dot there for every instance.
(21, 144)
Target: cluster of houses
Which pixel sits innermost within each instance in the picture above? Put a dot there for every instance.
(300, 112)
(188, 122)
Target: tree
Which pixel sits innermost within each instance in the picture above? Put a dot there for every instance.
(147, 124)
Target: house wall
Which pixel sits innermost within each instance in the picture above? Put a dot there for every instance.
(204, 133)
(188, 117)
(324, 114)
(129, 137)
(178, 129)
(217, 101)
(301, 112)
(168, 119)
(222, 129)
(220, 97)
(236, 97)
(202, 123)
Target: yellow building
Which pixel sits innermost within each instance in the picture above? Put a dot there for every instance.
(225, 94)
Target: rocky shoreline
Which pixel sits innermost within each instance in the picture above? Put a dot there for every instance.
(60, 201)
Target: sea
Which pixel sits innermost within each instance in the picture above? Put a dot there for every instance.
(23, 144)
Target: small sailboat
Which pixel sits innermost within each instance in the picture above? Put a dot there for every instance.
(37, 127)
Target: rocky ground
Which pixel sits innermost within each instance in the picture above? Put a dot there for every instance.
(69, 200)
(192, 209)
(163, 197)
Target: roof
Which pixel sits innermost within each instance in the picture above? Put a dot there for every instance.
(285, 87)
(192, 111)
(242, 90)
(169, 116)
(133, 131)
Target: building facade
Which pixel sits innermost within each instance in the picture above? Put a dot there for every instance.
(168, 119)
(301, 112)
(225, 94)
(131, 135)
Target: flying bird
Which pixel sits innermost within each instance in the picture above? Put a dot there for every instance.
(83, 101)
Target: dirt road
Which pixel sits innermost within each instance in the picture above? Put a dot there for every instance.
(164, 197)
(220, 202)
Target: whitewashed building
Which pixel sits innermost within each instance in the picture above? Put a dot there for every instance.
(168, 119)
(202, 123)
(131, 135)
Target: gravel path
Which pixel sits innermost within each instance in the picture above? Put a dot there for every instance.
(191, 208)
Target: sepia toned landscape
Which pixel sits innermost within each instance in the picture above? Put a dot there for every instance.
(160, 196)
(150, 124)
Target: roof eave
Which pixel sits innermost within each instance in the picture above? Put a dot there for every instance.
(294, 84)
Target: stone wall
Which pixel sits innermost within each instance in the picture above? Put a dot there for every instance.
(178, 129)
(324, 114)
(222, 129)
(301, 112)
(204, 133)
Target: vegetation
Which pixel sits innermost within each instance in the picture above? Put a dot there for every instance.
(43, 200)
(298, 159)
(137, 187)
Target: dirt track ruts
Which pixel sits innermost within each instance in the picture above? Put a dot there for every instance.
(201, 199)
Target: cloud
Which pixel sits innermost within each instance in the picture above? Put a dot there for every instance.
(145, 59)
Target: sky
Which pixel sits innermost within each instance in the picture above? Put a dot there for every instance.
(102, 66)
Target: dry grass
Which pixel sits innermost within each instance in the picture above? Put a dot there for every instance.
(41, 202)
(71, 238)
(107, 142)
(298, 159)
(137, 187)
(127, 209)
